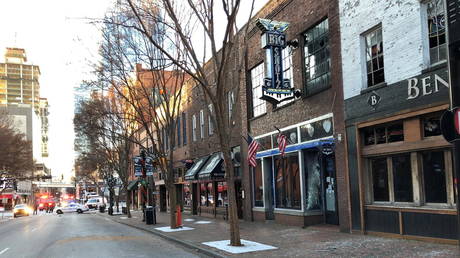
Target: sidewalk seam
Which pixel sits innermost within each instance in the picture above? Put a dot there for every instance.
(173, 239)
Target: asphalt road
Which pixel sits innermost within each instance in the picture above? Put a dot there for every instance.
(80, 235)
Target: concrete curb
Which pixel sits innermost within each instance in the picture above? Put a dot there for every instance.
(173, 239)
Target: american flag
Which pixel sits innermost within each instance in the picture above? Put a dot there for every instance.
(253, 146)
(281, 139)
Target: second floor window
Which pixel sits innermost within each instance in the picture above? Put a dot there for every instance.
(201, 124)
(230, 101)
(317, 58)
(194, 128)
(257, 80)
(210, 123)
(374, 57)
(287, 71)
(184, 129)
(178, 131)
(437, 31)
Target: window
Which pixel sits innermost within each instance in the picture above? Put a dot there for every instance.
(287, 181)
(313, 180)
(230, 101)
(210, 122)
(194, 128)
(222, 197)
(206, 194)
(317, 58)
(374, 57)
(380, 179)
(257, 80)
(434, 175)
(384, 134)
(201, 124)
(258, 185)
(178, 131)
(184, 129)
(437, 31)
(187, 195)
(432, 125)
(287, 71)
(402, 178)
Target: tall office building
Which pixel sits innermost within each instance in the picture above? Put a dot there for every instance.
(18, 80)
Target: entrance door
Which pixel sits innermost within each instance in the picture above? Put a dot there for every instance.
(330, 189)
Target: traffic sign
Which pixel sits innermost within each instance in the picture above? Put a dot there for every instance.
(450, 125)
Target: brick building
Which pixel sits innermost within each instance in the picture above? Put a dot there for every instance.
(309, 185)
(395, 82)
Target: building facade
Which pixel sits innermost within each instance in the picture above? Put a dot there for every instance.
(308, 184)
(395, 81)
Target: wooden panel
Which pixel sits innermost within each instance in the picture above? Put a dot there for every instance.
(435, 142)
(412, 131)
(420, 238)
(382, 221)
(430, 225)
(414, 209)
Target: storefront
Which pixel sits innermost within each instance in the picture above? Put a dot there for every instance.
(206, 189)
(401, 168)
(298, 188)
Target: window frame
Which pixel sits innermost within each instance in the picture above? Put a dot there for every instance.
(201, 124)
(256, 86)
(194, 138)
(427, 24)
(210, 122)
(307, 91)
(382, 55)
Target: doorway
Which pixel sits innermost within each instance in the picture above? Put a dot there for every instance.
(330, 189)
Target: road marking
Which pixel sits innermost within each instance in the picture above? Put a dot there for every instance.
(4, 250)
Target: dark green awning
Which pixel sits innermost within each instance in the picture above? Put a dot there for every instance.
(132, 185)
(213, 168)
(193, 171)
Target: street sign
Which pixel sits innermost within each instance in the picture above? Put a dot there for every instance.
(137, 166)
(149, 166)
(450, 125)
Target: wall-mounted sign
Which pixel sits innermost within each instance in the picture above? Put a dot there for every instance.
(275, 88)
(374, 99)
(424, 86)
(137, 166)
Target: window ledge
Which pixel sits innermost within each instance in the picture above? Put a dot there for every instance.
(436, 66)
(375, 87)
(257, 117)
(439, 208)
(289, 212)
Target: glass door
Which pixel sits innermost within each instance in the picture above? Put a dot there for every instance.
(330, 189)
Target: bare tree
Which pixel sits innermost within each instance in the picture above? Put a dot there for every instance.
(184, 20)
(16, 158)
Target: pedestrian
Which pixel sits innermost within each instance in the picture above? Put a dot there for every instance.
(35, 208)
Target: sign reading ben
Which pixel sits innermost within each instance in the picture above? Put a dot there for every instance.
(275, 88)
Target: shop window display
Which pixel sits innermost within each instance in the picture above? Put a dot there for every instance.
(313, 181)
(287, 182)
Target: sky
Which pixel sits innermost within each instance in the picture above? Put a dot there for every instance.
(58, 36)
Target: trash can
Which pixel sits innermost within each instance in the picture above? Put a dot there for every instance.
(110, 210)
(150, 215)
(124, 210)
(102, 209)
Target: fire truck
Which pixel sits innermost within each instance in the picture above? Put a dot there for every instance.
(45, 201)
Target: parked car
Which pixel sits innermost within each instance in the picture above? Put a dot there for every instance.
(21, 210)
(94, 203)
(71, 207)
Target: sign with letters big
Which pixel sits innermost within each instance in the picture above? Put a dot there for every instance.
(276, 88)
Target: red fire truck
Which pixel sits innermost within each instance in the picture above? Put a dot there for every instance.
(45, 202)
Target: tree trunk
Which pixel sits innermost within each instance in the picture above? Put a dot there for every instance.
(128, 203)
(172, 205)
(235, 239)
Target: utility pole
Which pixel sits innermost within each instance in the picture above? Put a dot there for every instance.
(453, 36)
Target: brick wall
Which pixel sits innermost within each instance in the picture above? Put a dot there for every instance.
(302, 15)
(405, 41)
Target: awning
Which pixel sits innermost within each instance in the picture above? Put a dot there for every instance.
(6, 196)
(132, 185)
(193, 171)
(213, 168)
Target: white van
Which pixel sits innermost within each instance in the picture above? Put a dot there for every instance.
(94, 203)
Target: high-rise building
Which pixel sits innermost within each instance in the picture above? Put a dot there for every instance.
(18, 80)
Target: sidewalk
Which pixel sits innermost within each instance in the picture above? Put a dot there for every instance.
(317, 241)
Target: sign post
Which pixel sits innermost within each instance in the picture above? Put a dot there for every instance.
(453, 35)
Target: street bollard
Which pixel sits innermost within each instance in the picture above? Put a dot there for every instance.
(178, 216)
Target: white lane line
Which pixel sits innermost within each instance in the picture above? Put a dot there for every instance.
(4, 250)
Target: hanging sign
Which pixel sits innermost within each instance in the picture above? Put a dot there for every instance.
(149, 166)
(137, 166)
(275, 88)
